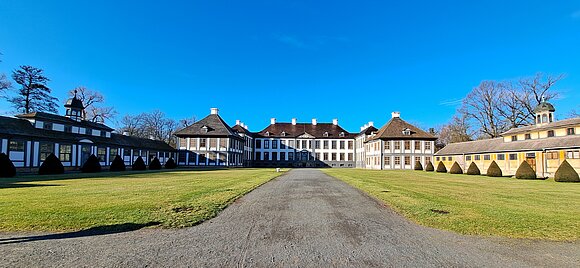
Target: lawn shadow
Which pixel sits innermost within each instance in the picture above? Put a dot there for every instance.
(93, 231)
(5, 185)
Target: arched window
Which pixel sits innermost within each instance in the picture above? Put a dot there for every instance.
(544, 118)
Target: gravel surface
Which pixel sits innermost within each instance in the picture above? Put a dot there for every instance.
(301, 219)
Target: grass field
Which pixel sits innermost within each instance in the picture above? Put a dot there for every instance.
(476, 205)
(75, 201)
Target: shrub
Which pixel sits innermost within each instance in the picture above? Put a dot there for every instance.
(139, 164)
(473, 169)
(493, 170)
(155, 164)
(170, 164)
(51, 165)
(92, 165)
(7, 168)
(441, 167)
(118, 164)
(418, 166)
(455, 169)
(566, 173)
(525, 172)
(429, 167)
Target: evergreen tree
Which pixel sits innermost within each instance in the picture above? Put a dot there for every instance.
(34, 94)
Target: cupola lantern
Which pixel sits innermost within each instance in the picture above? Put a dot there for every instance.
(75, 109)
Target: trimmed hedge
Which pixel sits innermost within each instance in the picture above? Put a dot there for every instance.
(170, 164)
(455, 169)
(51, 165)
(525, 172)
(118, 164)
(441, 167)
(7, 169)
(566, 173)
(473, 169)
(493, 170)
(429, 167)
(155, 164)
(139, 164)
(92, 165)
(418, 166)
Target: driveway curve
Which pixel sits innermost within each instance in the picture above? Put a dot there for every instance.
(304, 218)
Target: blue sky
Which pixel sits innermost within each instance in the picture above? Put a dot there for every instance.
(352, 60)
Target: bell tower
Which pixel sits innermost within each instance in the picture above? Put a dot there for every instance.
(75, 109)
(544, 112)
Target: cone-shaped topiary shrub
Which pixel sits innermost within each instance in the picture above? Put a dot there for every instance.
(418, 166)
(493, 170)
(7, 168)
(441, 167)
(566, 173)
(139, 164)
(155, 164)
(170, 164)
(429, 167)
(473, 169)
(455, 169)
(92, 165)
(525, 172)
(51, 165)
(118, 164)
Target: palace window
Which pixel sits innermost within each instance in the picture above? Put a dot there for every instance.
(573, 154)
(275, 156)
(500, 156)
(67, 129)
(342, 144)
(258, 144)
(427, 159)
(224, 143)
(477, 157)
(428, 145)
(417, 145)
(333, 144)
(550, 133)
(350, 156)
(180, 159)
(486, 157)
(407, 145)
(570, 131)
(387, 160)
(88, 131)
(182, 142)
(325, 155)
(468, 158)
(112, 154)
(450, 158)
(397, 145)
(101, 153)
(417, 159)
(317, 156)
(203, 142)
(46, 148)
(266, 156)
(282, 144)
(513, 156)
(437, 158)
(316, 144)
(16, 146)
(342, 157)
(334, 157)
(291, 144)
(514, 138)
(127, 152)
(528, 136)
(65, 152)
(274, 144)
(551, 155)
(283, 156)
(213, 143)
(397, 160)
(350, 145)
(291, 156)
(266, 144)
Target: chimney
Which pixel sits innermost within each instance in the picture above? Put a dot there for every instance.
(293, 121)
(272, 121)
(371, 123)
(314, 121)
(335, 122)
(395, 114)
(245, 126)
(238, 122)
(214, 110)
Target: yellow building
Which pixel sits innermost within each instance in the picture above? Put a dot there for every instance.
(544, 145)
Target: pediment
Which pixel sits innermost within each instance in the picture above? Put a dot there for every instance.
(305, 135)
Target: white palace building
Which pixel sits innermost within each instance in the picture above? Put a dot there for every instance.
(211, 142)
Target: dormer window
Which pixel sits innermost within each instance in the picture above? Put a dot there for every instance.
(325, 134)
(283, 134)
(47, 126)
(341, 134)
(406, 132)
(204, 129)
(267, 134)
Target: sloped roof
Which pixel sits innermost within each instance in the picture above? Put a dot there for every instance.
(368, 130)
(544, 106)
(393, 130)
(240, 129)
(498, 145)
(299, 129)
(20, 128)
(553, 125)
(215, 127)
(42, 116)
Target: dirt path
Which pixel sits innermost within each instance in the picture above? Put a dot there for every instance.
(302, 219)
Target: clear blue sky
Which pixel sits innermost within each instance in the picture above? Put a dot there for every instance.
(259, 59)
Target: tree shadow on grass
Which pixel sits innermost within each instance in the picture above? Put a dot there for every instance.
(94, 231)
(20, 185)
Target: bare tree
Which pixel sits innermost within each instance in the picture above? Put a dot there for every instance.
(92, 101)
(533, 89)
(512, 108)
(4, 83)
(457, 130)
(34, 94)
(482, 106)
(186, 122)
(154, 125)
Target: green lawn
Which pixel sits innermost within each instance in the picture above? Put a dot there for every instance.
(477, 205)
(75, 201)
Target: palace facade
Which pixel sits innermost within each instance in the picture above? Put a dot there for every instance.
(211, 142)
(544, 145)
(29, 138)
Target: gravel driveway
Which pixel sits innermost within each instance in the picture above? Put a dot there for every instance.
(301, 219)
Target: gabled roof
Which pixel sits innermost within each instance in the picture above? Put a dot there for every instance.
(214, 124)
(553, 125)
(23, 129)
(498, 145)
(393, 130)
(42, 116)
(319, 131)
